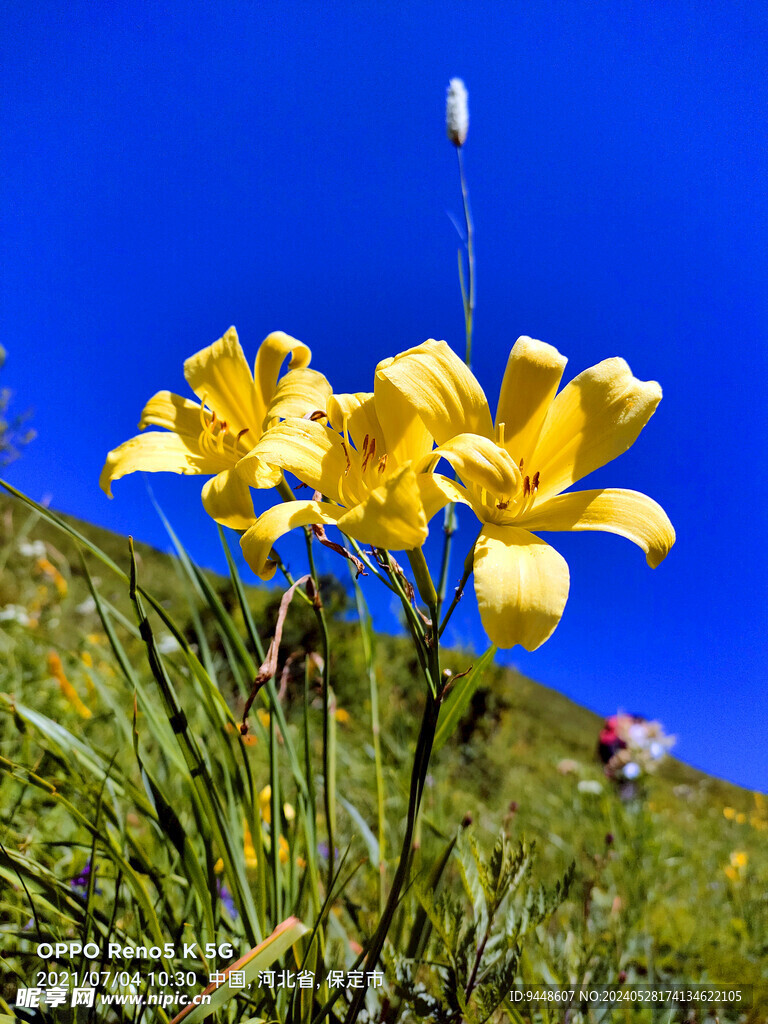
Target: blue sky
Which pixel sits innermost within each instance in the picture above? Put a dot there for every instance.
(173, 169)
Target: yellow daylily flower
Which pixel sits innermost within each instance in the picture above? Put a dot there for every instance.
(364, 467)
(514, 470)
(209, 437)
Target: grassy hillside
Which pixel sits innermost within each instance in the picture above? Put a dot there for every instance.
(670, 886)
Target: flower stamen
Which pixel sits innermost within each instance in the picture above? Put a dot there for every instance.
(346, 456)
(370, 454)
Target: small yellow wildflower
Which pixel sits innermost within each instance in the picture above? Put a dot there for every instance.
(741, 818)
(738, 863)
(729, 813)
(56, 669)
(50, 570)
(87, 659)
(289, 812)
(249, 850)
(283, 850)
(263, 717)
(93, 639)
(218, 867)
(265, 796)
(342, 716)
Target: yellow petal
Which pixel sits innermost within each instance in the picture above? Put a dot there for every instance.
(592, 421)
(269, 359)
(312, 452)
(441, 389)
(406, 438)
(172, 412)
(530, 382)
(480, 461)
(227, 499)
(521, 585)
(158, 452)
(437, 490)
(220, 375)
(358, 412)
(629, 514)
(258, 541)
(392, 516)
(299, 393)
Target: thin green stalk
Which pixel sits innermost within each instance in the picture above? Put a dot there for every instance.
(468, 565)
(366, 636)
(274, 852)
(329, 760)
(449, 528)
(418, 774)
(469, 303)
(468, 300)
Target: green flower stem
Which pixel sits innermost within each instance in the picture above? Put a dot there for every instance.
(274, 850)
(430, 654)
(469, 562)
(418, 775)
(469, 298)
(449, 528)
(329, 780)
(367, 640)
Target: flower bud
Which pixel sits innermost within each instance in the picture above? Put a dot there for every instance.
(457, 112)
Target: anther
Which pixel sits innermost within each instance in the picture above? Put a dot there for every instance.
(383, 462)
(503, 505)
(535, 486)
(242, 433)
(521, 464)
(370, 454)
(365, 444)
(526, 487)
(346, 456)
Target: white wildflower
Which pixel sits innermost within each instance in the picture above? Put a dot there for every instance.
(590, 786)
(457, 112)
(32, 549)
(86, 607)
(167, 644)
(15, 613)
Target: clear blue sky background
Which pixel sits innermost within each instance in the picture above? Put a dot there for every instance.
(169, 170)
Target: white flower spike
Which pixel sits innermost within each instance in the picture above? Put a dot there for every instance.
(457, 112)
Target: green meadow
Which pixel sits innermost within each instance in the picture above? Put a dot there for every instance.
(136, 812)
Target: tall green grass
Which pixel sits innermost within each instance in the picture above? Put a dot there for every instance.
(123, 687)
